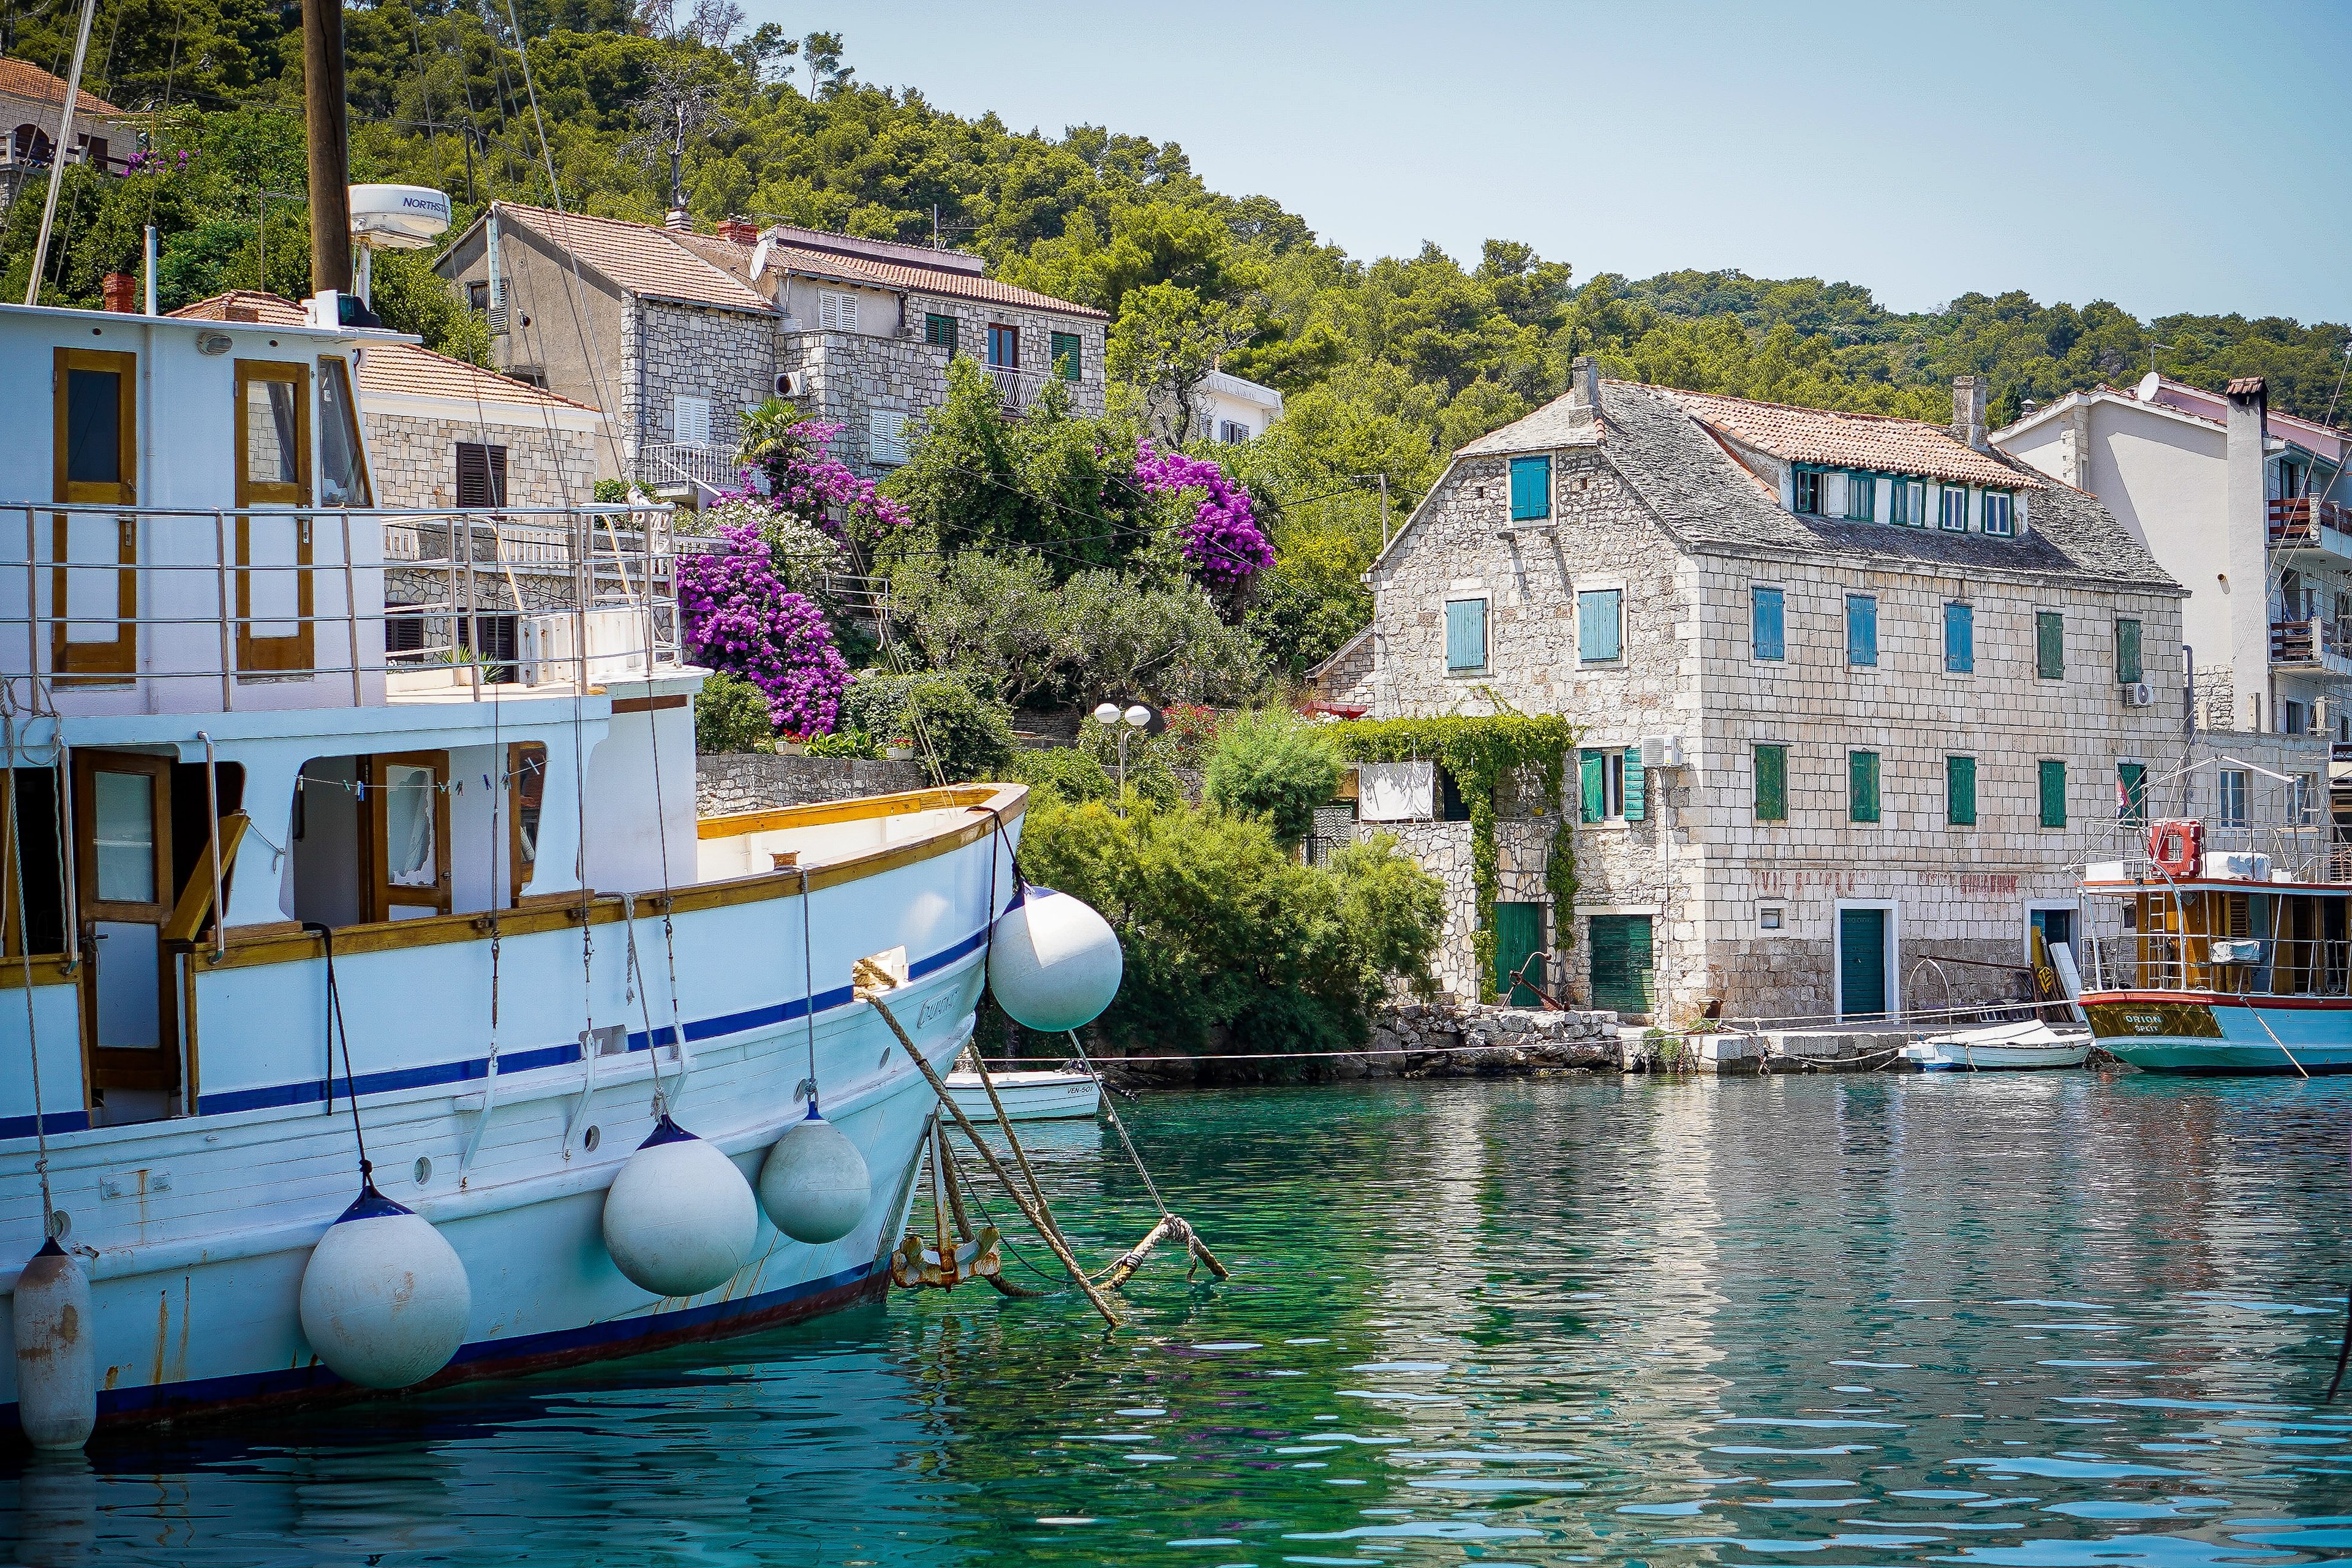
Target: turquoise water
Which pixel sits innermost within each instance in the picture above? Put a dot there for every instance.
(2060, 1320)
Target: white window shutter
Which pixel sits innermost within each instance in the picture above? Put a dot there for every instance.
(689, 421)
(886, 431)
(1833, 495)
(836, 312)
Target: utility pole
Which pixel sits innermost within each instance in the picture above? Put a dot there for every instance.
(1384, 511)
(331, 145)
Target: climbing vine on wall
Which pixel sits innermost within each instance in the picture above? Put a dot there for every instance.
(1481, 754)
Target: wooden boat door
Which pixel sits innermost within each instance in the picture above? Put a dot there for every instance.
(274, 604)
(122, 816)
(408, 835)
(94, 588)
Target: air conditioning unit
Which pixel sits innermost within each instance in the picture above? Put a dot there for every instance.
(616, 645)
(1662, 752)
(2138, 694)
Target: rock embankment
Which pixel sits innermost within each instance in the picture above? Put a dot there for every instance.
(1416, 1040)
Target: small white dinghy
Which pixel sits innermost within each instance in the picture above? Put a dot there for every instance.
(2002, 1047)
(1028, 1096)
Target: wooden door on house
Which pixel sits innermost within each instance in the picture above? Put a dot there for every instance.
(1861, 963)
(1619, 947)
(1518, 937)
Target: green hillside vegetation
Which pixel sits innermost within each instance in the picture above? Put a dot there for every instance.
(1387, 364)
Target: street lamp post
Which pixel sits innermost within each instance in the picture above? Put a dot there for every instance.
(1135, 719)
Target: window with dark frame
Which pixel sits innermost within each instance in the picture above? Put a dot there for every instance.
(1807, 492)
(1005, 347)
(481, 475)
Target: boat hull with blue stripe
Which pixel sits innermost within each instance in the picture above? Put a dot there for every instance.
(2214, 1036)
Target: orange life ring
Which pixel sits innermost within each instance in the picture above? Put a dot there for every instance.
(2177, 848)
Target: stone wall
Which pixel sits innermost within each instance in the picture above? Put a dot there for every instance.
(727, 782)
(1523, 849)
(1697, 862)
(1036, 327)
(671, 351)
(414, 460)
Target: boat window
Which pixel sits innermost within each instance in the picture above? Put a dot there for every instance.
(408, 835)
(271, 422)
(342, 471)
(123, 825)
(94, 427)
(411, 858)
(525, 792)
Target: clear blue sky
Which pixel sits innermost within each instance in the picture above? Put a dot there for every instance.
(2164, 155)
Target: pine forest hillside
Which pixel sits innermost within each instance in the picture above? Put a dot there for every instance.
(1387, 363)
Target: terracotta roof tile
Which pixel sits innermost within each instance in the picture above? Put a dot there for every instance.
(950, 282)
(1874, 441)
(388, 369)
(2246, 385)
(22, 78)
(641, 259)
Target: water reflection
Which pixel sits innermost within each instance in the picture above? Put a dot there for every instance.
(2050, 1321)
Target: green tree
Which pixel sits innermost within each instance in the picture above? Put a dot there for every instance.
(1273, 766)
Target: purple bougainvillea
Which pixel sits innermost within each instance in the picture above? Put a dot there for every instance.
(1223, 542)
(737, 616)
(812, 483)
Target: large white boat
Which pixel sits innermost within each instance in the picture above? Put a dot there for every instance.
(2236, 946)
(225, 794)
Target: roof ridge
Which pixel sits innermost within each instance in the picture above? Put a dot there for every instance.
(1943, 430)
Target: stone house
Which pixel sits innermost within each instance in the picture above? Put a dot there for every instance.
(2247, 508)
(1855, 692)
(32, 112)
(440, 433)
(673, 333)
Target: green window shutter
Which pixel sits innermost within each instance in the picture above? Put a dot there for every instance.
(1530, 489)
(1960, 638)
(2131, 793)
(1066, 349)
(1589, 764)
(1599, 625)
(1960, 791)
(2127, 664)
(1632, 785)
(1861, 785)
(1861, 497)
(1466, 634)
(2050, 645)
(939, 331)
(1769, 615)
(2053, 794)
(1861, 630)
(1771, 784)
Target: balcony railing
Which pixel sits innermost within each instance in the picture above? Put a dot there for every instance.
(2256, 966)
(2296, 524)
(673, 465)
(1018, 388)
(2310, 640)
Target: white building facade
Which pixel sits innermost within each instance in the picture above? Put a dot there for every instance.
(1230, 409)
(1858, 697)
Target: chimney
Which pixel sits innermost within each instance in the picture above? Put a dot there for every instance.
(2246, 538)
(1584, 383)
(1968, 410)
(241, 314)
(678, 222)
(740, 231)
(121, 293)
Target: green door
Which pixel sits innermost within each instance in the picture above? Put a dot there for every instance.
(1862, 962)
(1621, 962)
(1518, 936)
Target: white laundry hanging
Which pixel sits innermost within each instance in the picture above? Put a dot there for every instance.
(1396, 792)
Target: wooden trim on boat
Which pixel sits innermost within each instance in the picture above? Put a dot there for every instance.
(251, 947)
(48, 968)
(827, 812)
(2217, 999)
(647, 704)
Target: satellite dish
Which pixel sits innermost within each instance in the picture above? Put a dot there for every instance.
(398, 217)
(759, 254)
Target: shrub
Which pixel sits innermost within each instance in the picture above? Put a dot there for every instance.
(855, 744)
(1230, 942)
(1065, 774)
(1275, 766)
(971, 735)
(730, 715)
(737, 616)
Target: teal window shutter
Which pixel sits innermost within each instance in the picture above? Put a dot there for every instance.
(2127, 664)
(1960, 791)
(2050, 645)
(1960, 638)
(1861, 630)
(1768, 614)
(939, 331)
(1065, 348)
(1861, 785)
(1633, 786)
(1530, 489)
(1599, 630)
(2053, 794)
(2131, 793)
(1466, 634)
(1771, 784)
(1590, 765)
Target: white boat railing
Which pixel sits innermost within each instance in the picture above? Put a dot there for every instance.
(210, 602)
(2243, 966)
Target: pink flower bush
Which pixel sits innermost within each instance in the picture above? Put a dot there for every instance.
(814, 484)
(736, 614)
(1223, 542)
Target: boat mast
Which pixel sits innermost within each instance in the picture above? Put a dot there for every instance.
(329, 133)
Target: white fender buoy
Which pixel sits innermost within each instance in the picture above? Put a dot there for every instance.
(384, 1296)
(57, 1361)
(1053, 963)
(679, 1218)
(814, 1185)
